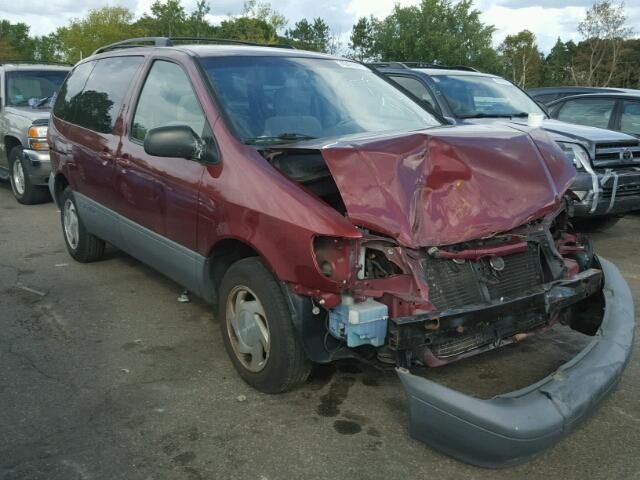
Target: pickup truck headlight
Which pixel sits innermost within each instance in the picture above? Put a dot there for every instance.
(576, 153)
(37, 137)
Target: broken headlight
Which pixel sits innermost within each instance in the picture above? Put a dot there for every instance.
(577, 154)
(335, 257)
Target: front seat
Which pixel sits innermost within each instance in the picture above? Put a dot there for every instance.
(293, 115)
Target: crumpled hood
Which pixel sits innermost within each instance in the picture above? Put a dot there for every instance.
(449, 185)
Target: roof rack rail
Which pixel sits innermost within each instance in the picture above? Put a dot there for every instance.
(34, 62)
(422, 65)
(172, 41)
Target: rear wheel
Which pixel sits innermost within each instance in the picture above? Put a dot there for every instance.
(258, 334)
(81, 245)
(24, 191)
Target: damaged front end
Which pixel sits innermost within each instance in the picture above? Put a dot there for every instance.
(455, 258)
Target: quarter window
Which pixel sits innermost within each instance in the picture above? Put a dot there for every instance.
(66, 103)
(167, 98)
(595, 112)
(630, 119)
(416, 87)
(99, 103)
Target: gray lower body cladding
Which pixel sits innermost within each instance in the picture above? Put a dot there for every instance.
(510, 429)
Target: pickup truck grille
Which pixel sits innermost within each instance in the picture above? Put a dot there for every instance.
(622, 191)
(622, 153)
(453, 285)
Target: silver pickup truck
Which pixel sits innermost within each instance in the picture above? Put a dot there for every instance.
(26, 91)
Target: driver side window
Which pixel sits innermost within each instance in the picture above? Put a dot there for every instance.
(167, 98)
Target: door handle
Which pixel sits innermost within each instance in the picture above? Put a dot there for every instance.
(106, 157)
(124, 161)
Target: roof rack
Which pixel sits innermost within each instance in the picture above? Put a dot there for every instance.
(421, 65)
(172, 41)
(33, 62)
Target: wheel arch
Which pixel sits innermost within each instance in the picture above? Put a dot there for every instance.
(221, 256)
(10, 142)
(60, 183)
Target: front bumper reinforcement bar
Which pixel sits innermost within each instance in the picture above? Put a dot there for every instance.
(511, 428)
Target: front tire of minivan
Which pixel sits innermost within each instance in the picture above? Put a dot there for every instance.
(81, 245)
(256, 326)
(24, 191)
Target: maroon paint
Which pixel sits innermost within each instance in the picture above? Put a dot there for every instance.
(449, 185)
(435, 187)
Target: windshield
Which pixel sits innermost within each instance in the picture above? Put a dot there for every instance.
(475, 96)
(283, 99)
(31, 87)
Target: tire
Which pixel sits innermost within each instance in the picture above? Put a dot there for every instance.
(283, 364)
(24, 191)
(81, 245)
(595, 224)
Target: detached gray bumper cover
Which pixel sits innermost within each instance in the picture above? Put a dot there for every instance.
(511, 428)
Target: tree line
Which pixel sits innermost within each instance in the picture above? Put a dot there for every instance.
(441, 32)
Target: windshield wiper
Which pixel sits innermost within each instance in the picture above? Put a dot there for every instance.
(42, 101)
(287, 137)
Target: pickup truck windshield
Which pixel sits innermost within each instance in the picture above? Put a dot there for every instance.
(475, 96)
(24, 86)
(277, 99)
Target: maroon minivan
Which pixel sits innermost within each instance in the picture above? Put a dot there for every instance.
(329, 215)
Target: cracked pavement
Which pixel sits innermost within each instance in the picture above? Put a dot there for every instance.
(107, 376)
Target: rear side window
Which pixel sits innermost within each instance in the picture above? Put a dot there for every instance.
(166, 99)
(66, 103)
(595, 112)
(99, 103)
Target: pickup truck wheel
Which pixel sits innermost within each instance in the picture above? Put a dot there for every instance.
(82, 246)
(24, 191)
(258, 334)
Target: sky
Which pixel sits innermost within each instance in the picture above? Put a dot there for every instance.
(548, 19)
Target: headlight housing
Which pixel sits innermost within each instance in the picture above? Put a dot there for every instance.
(576, 153)
(37, 137)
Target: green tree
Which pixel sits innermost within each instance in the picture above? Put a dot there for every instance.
(197, 23)
(604, 30)
(247, 29)
(263, 11)
(48, 48)
(100, 27)
(436, 31)
(362, 38)
(167, 19)
(557, 65)
(313, 35)
(15, 43)
(522, 60)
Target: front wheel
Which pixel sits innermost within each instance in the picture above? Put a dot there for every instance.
(258, 334)
(81, 245)
(24, 191)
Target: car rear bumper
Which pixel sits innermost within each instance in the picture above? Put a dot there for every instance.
(608, 193)
(511, 428)
(38, 166)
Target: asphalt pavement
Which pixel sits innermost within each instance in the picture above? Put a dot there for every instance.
(105, 375)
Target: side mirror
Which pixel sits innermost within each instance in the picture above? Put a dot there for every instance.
(174, 141)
